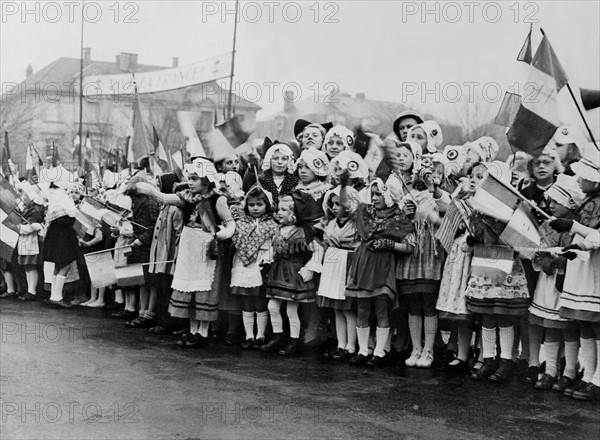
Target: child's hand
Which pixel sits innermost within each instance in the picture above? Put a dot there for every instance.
(221, 234)
(410, 207)
(306, 274)
(561, 224)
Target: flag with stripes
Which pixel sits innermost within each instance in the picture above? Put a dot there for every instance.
(495, 199)
(494, 262)
(537, 117)
(452, 219)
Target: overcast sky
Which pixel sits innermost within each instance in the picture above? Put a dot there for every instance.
(388, 50)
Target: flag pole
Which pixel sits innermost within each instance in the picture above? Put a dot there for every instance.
(81, 87)
(232, 61)
(583, 117)
(579, 109)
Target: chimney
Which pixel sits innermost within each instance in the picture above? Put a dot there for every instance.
(87, 56)
(28, 70)
(175, 61)
(360, 96)
(288, 101)
(127, 61)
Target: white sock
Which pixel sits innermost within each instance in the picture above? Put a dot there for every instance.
(293, 318)
(415, 325)
(274, 307)
(431, 325)
(351, 326)
(194, 325)
(488, 341)
(119, 296)
(571, 353)
(340, 329)
(248, 320)
(203, 328)
(58, 288)
(10, 281)
(507, 337)
(551, 349)
(388, 342)
(381, 335)
(363, 340)
(596, 377)
(588, 358)
(262, 319)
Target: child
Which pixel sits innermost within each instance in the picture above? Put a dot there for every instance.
(313, 135)
(163, 251)
(61, 246)
(427, 134)
(418, 274)
(207, 220)
(291, 274)
(371, 278)
(340, 241)
(338, 139)
(93, 244)
(580, 298)
(255, 229)
(452, 303)
(275, 177)
(29, 245)
(312, 169)
(500, 300)
(357, 168)
(144, 211)
(564, 197)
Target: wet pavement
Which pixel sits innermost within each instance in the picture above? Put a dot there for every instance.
(79, 374)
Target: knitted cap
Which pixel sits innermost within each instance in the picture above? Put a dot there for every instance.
(566, 192)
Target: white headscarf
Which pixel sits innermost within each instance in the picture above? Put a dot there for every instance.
(202, 168)
(282, 148)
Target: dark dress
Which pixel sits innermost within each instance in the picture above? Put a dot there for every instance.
(61, 246)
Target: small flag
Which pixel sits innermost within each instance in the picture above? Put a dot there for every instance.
(525, 52)
(493, 262)
(495, 199)
(453, 217)
(522, 234)
(161, 160)
(138, 145)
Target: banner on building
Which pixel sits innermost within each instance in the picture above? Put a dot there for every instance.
(210, 69)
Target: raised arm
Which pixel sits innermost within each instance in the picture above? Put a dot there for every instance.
(165, 199)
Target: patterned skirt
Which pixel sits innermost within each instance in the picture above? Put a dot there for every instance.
(509, 298)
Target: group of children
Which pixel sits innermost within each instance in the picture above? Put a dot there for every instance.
(344, 229)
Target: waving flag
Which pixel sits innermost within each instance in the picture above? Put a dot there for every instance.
(138, 145)
(161, 160)
(9, 221)
(534, 118)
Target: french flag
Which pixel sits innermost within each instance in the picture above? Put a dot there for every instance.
(534, 117)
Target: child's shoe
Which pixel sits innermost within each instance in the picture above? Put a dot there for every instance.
(503, 373)
(588, 392)
(275, 344)
(575, 387)
(485, 371)
(377, 361)
(531, 374)
(291, 349)
(96, 304)
(546, 382)
(414, 357)
(248, 344)
(563, 383)
(359, 360)
(426, 359)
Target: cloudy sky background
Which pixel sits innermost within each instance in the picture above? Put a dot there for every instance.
(374, 47)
